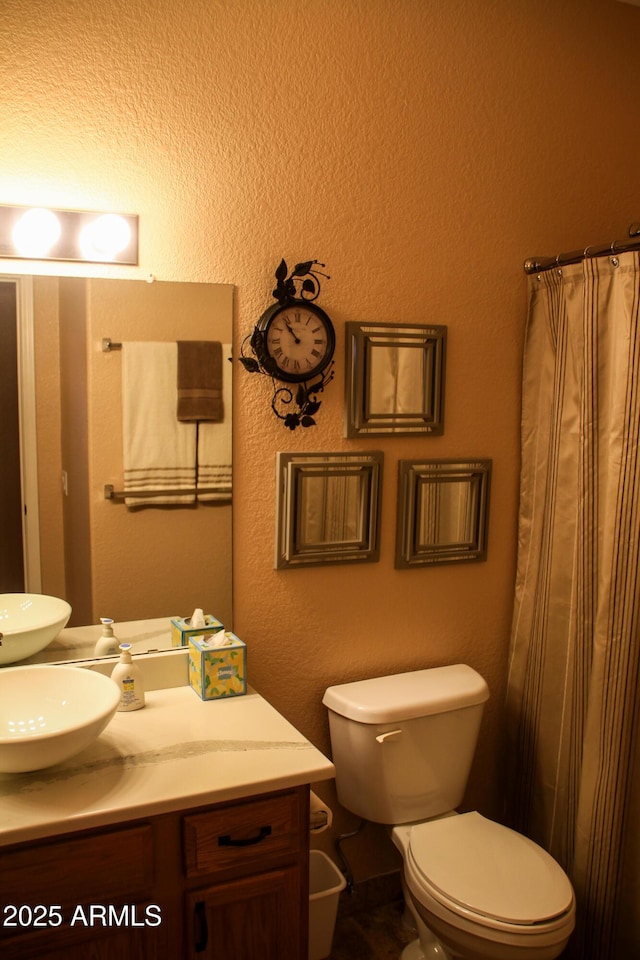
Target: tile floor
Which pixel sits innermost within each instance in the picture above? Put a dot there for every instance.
(369, 922)
(370, 934)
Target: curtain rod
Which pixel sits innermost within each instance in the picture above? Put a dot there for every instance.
(540, 264)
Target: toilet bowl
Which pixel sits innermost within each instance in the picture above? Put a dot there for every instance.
(482, 891)
(402, 748)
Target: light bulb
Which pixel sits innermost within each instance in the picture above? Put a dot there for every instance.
(36, 232)
(105, 237)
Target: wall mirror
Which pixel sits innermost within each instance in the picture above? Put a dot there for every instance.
(107, 560)
(328, 508)
(443, 511)
(394, 381)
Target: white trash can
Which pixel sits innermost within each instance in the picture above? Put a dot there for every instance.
(325, 884)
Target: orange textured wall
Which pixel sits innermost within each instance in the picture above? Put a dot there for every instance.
(421, 149)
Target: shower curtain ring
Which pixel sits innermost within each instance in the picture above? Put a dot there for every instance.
(614, 260)
(612, 250)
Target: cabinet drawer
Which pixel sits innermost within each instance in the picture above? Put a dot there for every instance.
(241, 834)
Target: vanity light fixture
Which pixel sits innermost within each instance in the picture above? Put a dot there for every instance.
(39, 233)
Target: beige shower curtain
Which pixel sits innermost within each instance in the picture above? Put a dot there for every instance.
(573, 697)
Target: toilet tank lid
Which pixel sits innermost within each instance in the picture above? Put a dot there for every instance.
(403, 696)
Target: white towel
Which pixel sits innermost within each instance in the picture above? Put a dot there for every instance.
(159, 452)
(214, 444)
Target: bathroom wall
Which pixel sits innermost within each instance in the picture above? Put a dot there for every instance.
(421, 149)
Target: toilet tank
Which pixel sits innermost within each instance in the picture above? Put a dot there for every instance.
(403, 744)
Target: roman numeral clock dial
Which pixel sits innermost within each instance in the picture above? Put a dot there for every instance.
(300, 341)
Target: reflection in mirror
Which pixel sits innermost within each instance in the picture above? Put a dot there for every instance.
(328, 508)
(394, 379)
(443, 511)
(105, 559)
(446, 513)
(79, 643)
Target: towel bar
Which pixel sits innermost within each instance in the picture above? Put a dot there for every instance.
(110, 493)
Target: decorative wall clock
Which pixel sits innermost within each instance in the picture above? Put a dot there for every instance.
(293, 342)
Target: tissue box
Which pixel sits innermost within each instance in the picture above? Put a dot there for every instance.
(216, 672)
(182, 631)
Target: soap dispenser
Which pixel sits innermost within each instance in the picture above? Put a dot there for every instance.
(129, 678)
(107, 644)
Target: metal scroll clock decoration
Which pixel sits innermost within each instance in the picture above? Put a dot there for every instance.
(293, 342)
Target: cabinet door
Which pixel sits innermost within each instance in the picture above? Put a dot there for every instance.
(256, 917)
(126, 945)
(48, 882)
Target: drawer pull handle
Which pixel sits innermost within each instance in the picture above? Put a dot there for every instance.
(201, 929)
(226, 841)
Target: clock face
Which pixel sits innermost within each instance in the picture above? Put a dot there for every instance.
(301, 340)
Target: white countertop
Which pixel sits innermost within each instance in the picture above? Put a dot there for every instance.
(178, 752)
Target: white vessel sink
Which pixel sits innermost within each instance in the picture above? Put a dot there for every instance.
(48, 713)
(28, 622)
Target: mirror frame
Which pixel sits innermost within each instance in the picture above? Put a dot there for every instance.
(362, 340)
(413, 476)
(293, 548)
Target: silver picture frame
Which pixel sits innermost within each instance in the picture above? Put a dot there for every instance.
(328, 508)
(443, 511)
(394, 379)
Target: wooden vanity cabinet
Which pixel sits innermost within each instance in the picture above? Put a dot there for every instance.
(247, 869)
(229, 881)
(55, 896)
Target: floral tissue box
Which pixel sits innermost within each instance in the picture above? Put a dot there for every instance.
(218, 669)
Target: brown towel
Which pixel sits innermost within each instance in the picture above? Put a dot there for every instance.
(200, 380)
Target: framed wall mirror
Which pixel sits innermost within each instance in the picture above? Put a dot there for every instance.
(328, 508)
(443, 511)
(394, 379)
(103, 558)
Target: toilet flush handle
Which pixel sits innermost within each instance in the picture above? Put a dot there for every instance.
(389, 735)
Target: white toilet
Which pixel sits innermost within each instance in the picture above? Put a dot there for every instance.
(402, 748)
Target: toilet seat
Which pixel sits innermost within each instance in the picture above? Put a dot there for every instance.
(484, 871)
